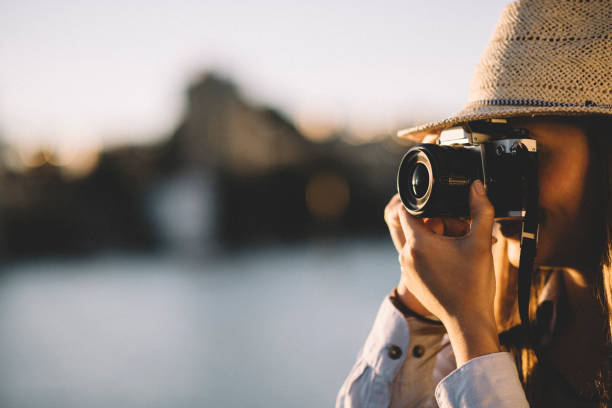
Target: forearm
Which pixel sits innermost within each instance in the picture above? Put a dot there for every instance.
(472, 337)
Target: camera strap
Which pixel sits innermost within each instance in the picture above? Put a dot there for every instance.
(529, 235)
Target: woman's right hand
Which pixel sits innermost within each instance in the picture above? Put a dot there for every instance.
(442, 226)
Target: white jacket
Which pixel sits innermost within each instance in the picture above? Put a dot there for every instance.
(409, 363)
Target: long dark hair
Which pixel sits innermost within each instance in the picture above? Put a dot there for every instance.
(533, 370)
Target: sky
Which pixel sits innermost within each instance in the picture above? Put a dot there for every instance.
(101, 73)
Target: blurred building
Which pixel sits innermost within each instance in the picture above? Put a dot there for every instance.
(232, 173)
(220, 130)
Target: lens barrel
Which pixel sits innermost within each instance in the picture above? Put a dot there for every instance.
(434, 180)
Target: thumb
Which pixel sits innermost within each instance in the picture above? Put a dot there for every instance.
(481, 210)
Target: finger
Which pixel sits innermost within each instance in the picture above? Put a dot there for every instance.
(413, 227)
(391, 216)
(434, 224)
(455, 228)
(397, 236)
(393, 222)
(481, 210)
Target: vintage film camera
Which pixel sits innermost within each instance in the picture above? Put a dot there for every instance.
(433, 180)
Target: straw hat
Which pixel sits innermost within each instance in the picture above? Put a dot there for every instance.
(546, 57)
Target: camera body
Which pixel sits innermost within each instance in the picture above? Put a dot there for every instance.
(433, 180)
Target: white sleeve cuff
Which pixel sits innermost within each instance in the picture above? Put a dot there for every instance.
(485, 381)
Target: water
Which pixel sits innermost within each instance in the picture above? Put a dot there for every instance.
(271, 327)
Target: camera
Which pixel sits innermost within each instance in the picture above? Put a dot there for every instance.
(434, 180)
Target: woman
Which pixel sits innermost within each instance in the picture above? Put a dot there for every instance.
(448, 333)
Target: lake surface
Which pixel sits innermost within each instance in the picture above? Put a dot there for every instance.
(268, 327)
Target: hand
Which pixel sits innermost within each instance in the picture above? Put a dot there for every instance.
(453, 277)
(443, 226)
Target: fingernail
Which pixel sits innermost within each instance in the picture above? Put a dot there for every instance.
(479, 187)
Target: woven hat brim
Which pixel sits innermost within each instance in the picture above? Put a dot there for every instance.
(417, 133)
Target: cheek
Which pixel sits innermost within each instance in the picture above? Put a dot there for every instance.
(561, 182)
(561, 176)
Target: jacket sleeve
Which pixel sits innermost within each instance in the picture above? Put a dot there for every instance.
(395, 367)
(489, 381)
(403, 360)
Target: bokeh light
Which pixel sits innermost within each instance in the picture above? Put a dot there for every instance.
(327, 195)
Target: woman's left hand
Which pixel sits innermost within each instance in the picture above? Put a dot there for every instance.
(453, 277)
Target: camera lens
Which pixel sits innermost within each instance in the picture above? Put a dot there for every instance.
(415, 179)
(434, 180)
(420, 180)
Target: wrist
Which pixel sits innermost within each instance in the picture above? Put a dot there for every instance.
(410, 301)
(407, 312)
(472, 337)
